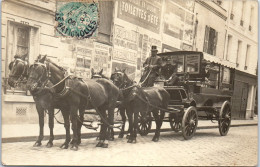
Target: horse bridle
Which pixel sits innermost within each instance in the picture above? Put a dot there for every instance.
(24, 73)
(47, 75)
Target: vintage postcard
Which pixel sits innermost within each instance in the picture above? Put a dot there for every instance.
(129, 82)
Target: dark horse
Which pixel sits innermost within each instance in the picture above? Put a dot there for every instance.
(121, 106)
(99, 94)
(44, 100)
(141, 100)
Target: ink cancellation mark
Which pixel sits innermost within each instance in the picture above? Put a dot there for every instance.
(76, 19)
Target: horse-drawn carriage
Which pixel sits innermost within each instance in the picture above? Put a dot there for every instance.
(199, 89)
(189, 88)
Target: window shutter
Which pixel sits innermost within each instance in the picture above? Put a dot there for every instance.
(215, 43)
(206, 38)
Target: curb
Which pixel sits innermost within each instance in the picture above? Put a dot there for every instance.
(95, 134)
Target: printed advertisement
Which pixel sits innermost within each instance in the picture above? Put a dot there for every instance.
(146, 14)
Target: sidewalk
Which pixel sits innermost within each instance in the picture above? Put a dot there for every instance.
(30, 132)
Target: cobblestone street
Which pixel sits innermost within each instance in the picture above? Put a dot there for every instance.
(207, 147)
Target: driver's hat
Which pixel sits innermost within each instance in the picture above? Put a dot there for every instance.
(154, 48)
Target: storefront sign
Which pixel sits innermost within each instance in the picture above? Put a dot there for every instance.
(143, 13)
(125, 38)
(84, 51)
(125, 56)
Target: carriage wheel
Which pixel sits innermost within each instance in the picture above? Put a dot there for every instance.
(224, 118)
(144, 123)
(175, 122)
(189, 122)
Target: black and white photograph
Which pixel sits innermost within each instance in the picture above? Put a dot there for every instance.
(129, 82)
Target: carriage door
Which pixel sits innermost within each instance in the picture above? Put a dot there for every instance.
(243, 103)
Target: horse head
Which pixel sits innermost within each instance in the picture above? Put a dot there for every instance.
(38, 74)
(18, 71)
(97, 74)
(119, 78)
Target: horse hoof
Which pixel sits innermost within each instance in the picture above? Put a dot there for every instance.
(49, 145)
(156, 139)
(105, 146)
(75, 148)
(99, 144)
(134, 141)
(129, 141)
(121, 136)
(127, 137)
(37, 144)
(64, 146)
(111, 139)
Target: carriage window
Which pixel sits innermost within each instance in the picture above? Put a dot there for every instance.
(192, 63)
(179, 60)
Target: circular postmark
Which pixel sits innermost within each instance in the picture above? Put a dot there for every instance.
(76, 19)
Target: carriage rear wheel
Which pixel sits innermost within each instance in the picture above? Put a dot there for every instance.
(175, 122)
(224, 118)
(189, 122)
(144, 123)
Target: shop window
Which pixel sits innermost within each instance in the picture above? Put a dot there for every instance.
(210, 41)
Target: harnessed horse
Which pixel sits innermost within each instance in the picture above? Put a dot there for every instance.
(43, 100)
(141, 100)
(100, 95)
(121, 107)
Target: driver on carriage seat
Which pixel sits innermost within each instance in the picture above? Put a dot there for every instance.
(152, 66)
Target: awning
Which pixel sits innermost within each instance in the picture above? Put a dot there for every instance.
(217, 60)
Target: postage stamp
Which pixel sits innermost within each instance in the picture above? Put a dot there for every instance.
(77, 19)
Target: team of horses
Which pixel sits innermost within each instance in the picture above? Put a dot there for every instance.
(52, 89)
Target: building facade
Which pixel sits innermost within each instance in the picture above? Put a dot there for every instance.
(127, 30)
(227, 32)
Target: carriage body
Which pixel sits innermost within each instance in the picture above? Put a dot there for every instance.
(204, 87)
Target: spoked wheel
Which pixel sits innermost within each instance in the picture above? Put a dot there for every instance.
(144, 123)
(175, 122)
(189, 122)
(224, 118)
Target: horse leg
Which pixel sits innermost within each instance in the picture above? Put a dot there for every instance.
(74, 120)
(51, 126)
(135, 126)
(66, 118)
(103, 129)
(123, 115)
(130, 119)
(110, 129)
(158, 120)
(40, 112)
(80, 122)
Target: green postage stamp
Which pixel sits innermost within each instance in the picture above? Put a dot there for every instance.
(77, 19)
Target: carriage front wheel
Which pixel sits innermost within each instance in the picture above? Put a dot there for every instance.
(144, 123)
(189, 122)
(224, 120)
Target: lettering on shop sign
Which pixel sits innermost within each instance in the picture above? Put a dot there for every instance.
(84, 51)
(125, 38)
(124, 56)
(143, 13)
(76, 19)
